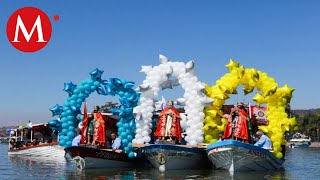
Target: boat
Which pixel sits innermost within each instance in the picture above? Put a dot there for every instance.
(89, 157)
(168, 156)
(235, 156)
(22, 142)
(299, 140)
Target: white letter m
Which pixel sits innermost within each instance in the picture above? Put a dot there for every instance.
(25, 33)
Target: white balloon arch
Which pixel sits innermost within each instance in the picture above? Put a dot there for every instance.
(194, 99)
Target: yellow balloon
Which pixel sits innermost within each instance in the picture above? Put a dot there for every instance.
(279, 155)
(258, 98)
(232, 64)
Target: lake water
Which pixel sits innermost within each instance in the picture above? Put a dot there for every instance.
(299, 164)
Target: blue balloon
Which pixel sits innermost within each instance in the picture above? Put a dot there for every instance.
(132, 124)
(129, 85)
(64, 131)
(125, 142)
(129, 138)
(126, 149)
(8, 130)
(131, 155)
(70, 123)
(56, 110)
(126, 125)
(64, 125)
(109, 89)
(121, 129)
(71, 134)
(68, 143)
(69, 88)
(119, 124)
(116, 82)
(62, 142)
(100, 90)
(123, 135)
(76, 91)
(96, 74)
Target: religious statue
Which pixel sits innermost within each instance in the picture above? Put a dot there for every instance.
(93, 128)
(169, 123)
(99, 132)
(237, 126)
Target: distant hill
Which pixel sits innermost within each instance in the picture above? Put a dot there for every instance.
(3, 131)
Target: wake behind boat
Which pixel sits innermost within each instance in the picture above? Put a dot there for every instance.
(237, 156)
(92, 157)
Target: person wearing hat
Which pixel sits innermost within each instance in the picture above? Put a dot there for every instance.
(169, 123)
(237, 126)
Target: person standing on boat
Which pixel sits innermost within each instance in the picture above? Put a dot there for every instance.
(264, 141)
(237, 126)
(99, 132)
(169, 123)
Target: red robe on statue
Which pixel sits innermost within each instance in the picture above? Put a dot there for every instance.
(241, 127)
(99, 133)
(173, 121)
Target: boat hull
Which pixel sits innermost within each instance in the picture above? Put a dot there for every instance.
(44, 150)
(237, 156)
(90, 157)
(176, 157)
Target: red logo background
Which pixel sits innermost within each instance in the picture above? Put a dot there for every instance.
(28, 16)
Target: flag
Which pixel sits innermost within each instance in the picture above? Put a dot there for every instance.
(84, 124)
(259, 115)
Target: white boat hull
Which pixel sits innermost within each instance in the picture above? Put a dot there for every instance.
(236, 156)
(39, 151)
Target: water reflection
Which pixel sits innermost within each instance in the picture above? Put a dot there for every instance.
(299, 164)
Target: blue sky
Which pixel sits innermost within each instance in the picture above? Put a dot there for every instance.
(280, 38)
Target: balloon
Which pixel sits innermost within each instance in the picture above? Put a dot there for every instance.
(129, 85)
(131, 155)
(116, 82)
(232, 64)
(69, 88)
(96, 74)
(56, 110)
(8, 130)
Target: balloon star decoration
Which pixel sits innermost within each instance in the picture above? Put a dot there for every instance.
(157, 78)
(77, 95)
(276, 98)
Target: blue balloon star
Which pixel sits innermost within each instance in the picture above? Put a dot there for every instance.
(69, 88)
(96, 74)
(56, 110)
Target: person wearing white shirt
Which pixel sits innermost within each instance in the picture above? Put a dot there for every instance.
(116, 142)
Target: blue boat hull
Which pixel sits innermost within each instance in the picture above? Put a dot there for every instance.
(176, 157)
(237, 156)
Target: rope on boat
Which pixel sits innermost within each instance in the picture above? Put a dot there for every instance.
(80, 163)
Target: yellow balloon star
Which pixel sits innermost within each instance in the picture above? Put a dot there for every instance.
(232, 64)
(258, 98)
(287, 90)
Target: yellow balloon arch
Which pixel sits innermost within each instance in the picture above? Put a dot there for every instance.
(276, 99)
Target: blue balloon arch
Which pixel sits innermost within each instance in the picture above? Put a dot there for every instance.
(68, 113)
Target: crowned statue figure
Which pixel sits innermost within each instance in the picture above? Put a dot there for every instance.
(169, 123)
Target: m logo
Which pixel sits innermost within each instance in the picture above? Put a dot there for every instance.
(29, 29)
